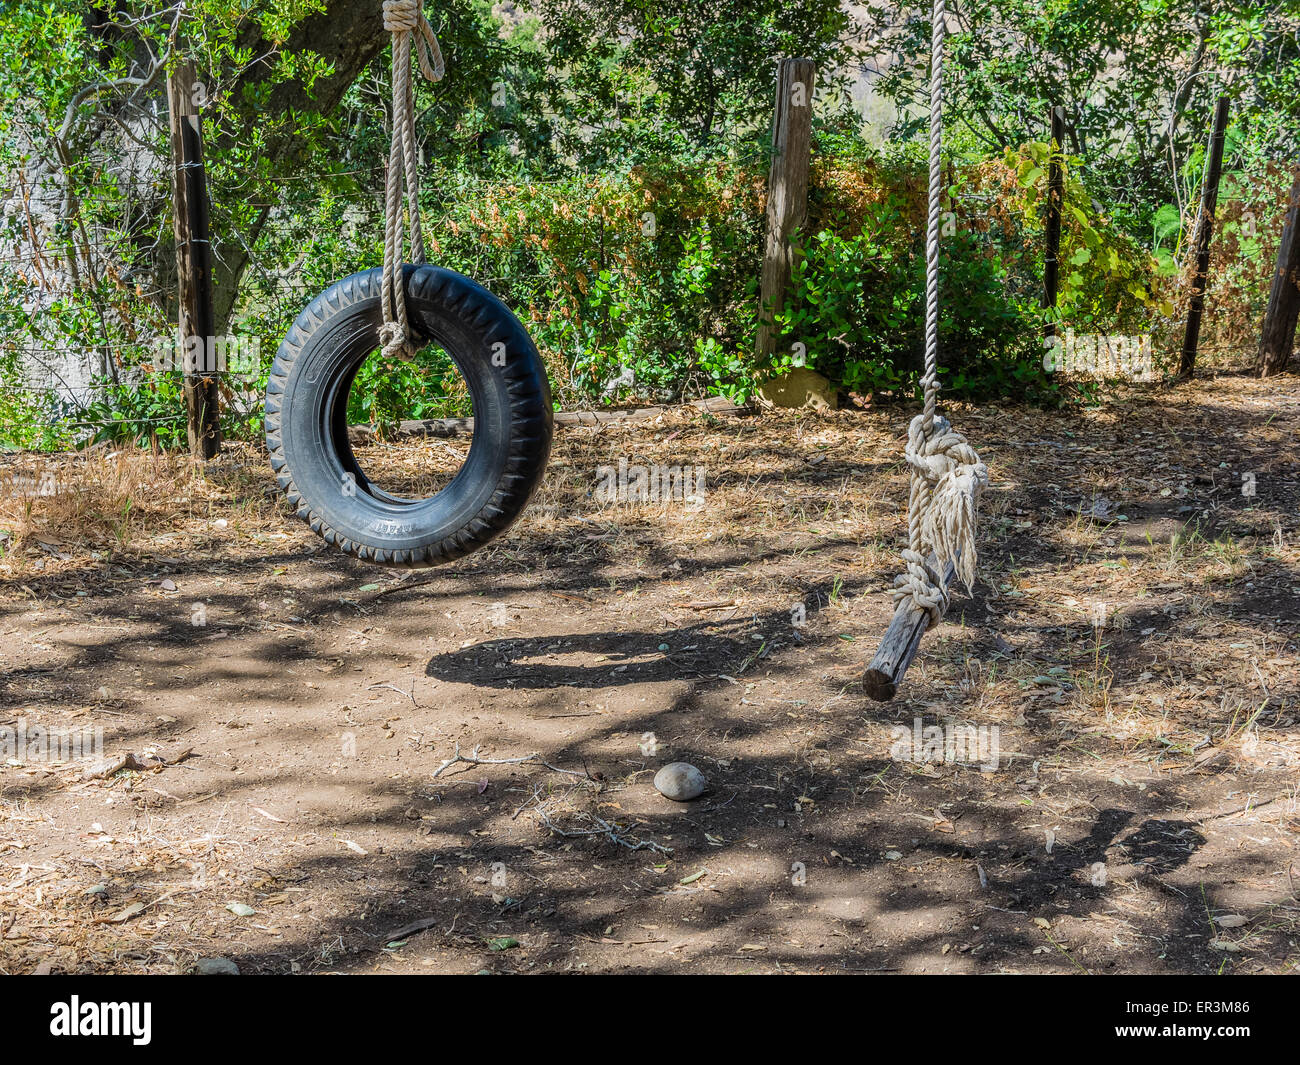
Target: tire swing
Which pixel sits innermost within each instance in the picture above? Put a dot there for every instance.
(947, 475)
(400, 309)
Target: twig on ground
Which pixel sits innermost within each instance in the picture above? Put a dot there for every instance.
(393, 687)
(106, 768)
(473, 759)
(603, 828)
(410, 929)
(401, 586)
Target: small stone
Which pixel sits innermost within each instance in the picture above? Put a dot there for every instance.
(681, 782)
(216, 967)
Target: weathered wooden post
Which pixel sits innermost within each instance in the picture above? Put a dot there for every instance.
(1204, 231)
(787, 191)
(1055, 198)
(193, 265)
(1277, 338)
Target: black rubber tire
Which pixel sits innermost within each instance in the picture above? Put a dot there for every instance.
(306, 423)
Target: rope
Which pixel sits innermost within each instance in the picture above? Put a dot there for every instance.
(945, 472)
(405, 20)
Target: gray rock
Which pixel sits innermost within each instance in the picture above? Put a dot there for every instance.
(681, 782)
(216, 967)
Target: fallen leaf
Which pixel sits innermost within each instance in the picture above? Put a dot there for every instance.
(126, 914)
(270, 817)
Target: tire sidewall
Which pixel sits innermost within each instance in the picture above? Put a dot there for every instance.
(511, 407)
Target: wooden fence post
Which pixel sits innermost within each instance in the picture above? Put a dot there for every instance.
(1204, 230)
(1277, 338)
(193, 265)
(787, 191)
(1055, 198)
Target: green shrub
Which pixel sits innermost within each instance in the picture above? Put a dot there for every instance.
(638, 275)
(855, 310)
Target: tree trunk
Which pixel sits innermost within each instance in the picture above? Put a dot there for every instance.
(347, 36)
(1204, 232)
(193, 266)
(787, 192)
(1055, 198)
(1277, 339)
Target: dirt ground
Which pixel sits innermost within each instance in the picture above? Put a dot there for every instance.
(1132, 637)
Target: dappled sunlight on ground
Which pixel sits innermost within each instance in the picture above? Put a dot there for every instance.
(1132, 636)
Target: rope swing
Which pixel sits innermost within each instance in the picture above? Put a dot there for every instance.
(405, 20)
(946, 474)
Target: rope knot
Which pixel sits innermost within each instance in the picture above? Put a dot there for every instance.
(394, 342)
(941, 452)
(401, 16)
(407, 16)
(922, 585)
(947, 475)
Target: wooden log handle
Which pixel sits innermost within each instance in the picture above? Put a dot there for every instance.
(900, 644)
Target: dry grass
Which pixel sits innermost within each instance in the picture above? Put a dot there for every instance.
(102, 503)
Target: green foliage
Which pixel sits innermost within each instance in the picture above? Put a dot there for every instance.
(856, 310)
(146, 406)
(30, 420)
(620, 276)
(144, 412)
(1118, 68)
(601, 165)
(387, 391)
(1108, 282)
(642, 79)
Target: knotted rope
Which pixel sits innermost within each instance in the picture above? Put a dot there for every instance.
(405, 20)
(946, 473)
